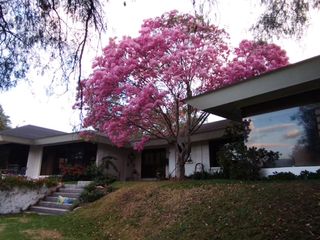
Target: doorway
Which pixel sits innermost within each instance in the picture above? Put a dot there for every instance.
(153, 163)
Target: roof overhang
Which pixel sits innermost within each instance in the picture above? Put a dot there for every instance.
(55, 140)
(11, 139)
(293, 85)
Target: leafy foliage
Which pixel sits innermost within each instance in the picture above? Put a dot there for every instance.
(307, 118)
(103, 170)
(4, 120)
(304, 175)
(206, 175)
(9, 182)
(239, 161)
(73, 172)
(280, 18)
(91, 172)
(138, 87)
(309, 175)
(30, 28)
(283, 18)
(97, 189)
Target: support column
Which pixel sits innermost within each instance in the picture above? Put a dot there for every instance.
(34, 161)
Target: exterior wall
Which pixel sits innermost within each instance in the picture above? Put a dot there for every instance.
(295, 170)
(34, 161)
(134, 169)
(199, 154)
(171, 153)
(17, 199)
(121, 156)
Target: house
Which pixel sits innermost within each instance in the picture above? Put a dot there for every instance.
(283, 106)
(35, 151)
(284, 109)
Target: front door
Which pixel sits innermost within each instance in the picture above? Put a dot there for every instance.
(153, 163)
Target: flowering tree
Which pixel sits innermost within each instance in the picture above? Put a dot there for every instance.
(137, 89)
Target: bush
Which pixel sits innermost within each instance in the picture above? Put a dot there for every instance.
(72, 173)
(240, 162)
(206, 175)
(94, 172)
(304, 175)
(96, 190)
(283, 176)
(309, 175)
(91, 172)
(9, 182)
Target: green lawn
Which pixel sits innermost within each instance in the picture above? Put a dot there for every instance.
(184, 210)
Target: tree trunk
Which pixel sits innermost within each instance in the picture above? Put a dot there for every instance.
(180, 170)
(183, 153)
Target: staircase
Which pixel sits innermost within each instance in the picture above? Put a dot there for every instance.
(50, 206)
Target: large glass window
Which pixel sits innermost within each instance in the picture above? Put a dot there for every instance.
(54, 157)
(293, 132)
(13, 158)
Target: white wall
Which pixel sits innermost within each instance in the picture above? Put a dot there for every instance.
(199, 154)
(295, 170)
(18, 199)
(34, 161)
(121, 154)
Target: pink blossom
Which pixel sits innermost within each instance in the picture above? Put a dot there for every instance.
(137, 88)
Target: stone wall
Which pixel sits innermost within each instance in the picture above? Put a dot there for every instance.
(19, 199)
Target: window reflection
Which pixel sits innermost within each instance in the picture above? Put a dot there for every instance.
(293, 132)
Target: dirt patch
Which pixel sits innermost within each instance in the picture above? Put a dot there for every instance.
(43, 234)
(2, 227)
(23, 220)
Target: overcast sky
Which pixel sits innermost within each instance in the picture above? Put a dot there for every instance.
(29, 103)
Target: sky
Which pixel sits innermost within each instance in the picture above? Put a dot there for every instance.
(30, 103)
(276, 131)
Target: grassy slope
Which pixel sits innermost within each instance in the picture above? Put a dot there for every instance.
(185, 210)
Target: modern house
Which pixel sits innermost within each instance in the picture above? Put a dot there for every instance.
(284, 109)
(283, 106)
(35, 151)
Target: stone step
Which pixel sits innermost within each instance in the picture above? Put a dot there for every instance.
(71, 190)
(73, 186)
(79, 184)
(50, 206)
(54, 205)
(55, 199)
(66, 194)
(49, 210)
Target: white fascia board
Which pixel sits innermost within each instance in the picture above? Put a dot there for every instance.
(11, 139)
(290, 76)
(72, 137)
(69, 138)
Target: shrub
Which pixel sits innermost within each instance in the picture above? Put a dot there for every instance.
(94, 172)
(283, 176)
(309, 175)
(9, 182)
(95, 190)
(304, 175)
(206, 175)
(72, 173)
(239, 161)
(91, 172)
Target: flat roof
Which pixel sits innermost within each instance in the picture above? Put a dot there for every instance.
(34, 135)
(30, 132)
(292, 85)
